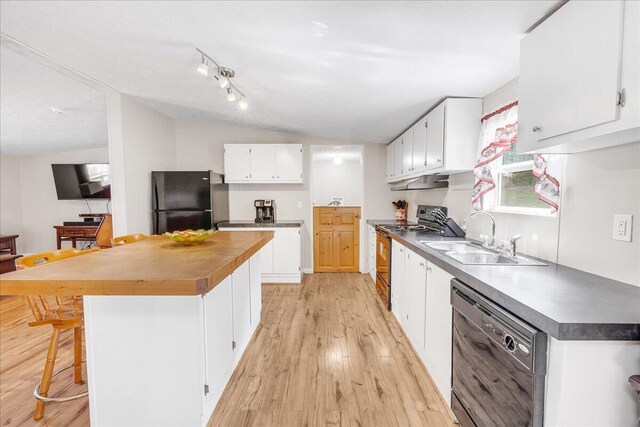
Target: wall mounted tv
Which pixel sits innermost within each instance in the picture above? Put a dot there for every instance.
(82, 181)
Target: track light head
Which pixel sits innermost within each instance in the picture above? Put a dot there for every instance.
(222, 81)
(203, 68)
(230, 95)
(242, 104)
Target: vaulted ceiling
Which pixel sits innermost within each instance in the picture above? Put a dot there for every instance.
(360, 71)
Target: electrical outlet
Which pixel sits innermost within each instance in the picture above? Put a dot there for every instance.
(622, 227)
(299, 204)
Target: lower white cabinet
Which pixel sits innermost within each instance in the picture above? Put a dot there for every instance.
(420, 300)
(415, 292)
(281, 257)
(437, 351)
(371, 250)
(397, 281)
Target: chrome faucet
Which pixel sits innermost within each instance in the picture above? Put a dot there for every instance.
(513, 241)
(491, 243)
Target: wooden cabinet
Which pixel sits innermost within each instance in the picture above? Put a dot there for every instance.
(336, 243)
(237, 163)
(573, 70)
(280, 259)
(263, 163)
(444, 141)
(437, 351)
(397, 281)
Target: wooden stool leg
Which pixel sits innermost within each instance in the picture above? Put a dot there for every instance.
(77, 355)
(48, 372)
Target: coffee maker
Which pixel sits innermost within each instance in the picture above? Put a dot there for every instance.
(265, 210)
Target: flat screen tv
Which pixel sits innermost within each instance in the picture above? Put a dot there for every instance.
(82, 181)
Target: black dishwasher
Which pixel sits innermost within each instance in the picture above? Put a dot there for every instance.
(499, 364)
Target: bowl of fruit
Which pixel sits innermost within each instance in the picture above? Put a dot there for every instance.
(190, 237)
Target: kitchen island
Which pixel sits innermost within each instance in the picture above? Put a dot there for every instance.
(165, 324)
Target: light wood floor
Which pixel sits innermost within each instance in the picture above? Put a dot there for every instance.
(329, 353)
(326, 353)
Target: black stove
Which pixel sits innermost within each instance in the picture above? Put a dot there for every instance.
(426, 221)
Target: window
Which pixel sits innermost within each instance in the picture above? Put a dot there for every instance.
(514, 186)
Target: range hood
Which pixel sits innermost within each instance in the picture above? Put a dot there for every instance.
(424, 182)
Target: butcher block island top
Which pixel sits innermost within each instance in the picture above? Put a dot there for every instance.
(156, 266)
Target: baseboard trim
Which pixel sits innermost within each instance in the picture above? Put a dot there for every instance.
(282, 278)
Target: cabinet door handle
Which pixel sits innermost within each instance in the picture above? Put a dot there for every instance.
(438, 160)
(536, 128)
(422, 264)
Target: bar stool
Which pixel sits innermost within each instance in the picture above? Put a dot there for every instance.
(129, 238)
(62, 313)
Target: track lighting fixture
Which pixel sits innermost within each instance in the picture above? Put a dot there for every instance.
(230, 95)
(223, 77)
(203, 68)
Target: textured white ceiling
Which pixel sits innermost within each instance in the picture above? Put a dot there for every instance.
(28, 91)
(359, 71)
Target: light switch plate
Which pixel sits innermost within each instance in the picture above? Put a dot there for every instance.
(622, 226)
(299, 204)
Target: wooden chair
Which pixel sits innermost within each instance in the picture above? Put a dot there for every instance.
(61, 313)
(129, 238)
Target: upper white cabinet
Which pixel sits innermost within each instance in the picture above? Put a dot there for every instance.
(390, 163)
(579, 79)
(444, 141)
(237, 163)
(407, 151)
(263, 163)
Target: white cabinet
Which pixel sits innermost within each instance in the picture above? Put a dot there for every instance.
(397, 281)
(286, 252)
(237, 163)
(372, 236)
(218, 339)
(415, 290)
(407, 152)
(263, 163)
(263, 158)
(280, 259)
(398, 171)
(241, 307)
(255, 290)
(419, 163)
(435, 137)
(444, 141)
(390, 164)
(437, 353)
(573, 68)
(289, 163)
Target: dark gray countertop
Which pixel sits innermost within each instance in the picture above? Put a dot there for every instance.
(566, 303)
(243, 224)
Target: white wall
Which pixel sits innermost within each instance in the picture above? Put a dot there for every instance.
(141, 140)
(31, 198)
(11, 199)
(200, 147)
(330, 179)
(597, 185)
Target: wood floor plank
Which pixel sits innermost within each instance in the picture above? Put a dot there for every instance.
(326, 353)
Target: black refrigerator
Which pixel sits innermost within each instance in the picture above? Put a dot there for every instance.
(188, 200)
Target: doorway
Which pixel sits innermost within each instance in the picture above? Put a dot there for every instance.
(337, 193)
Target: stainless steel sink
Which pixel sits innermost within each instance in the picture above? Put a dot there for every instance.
(480, 257)
(471, 253)
(459, 246)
